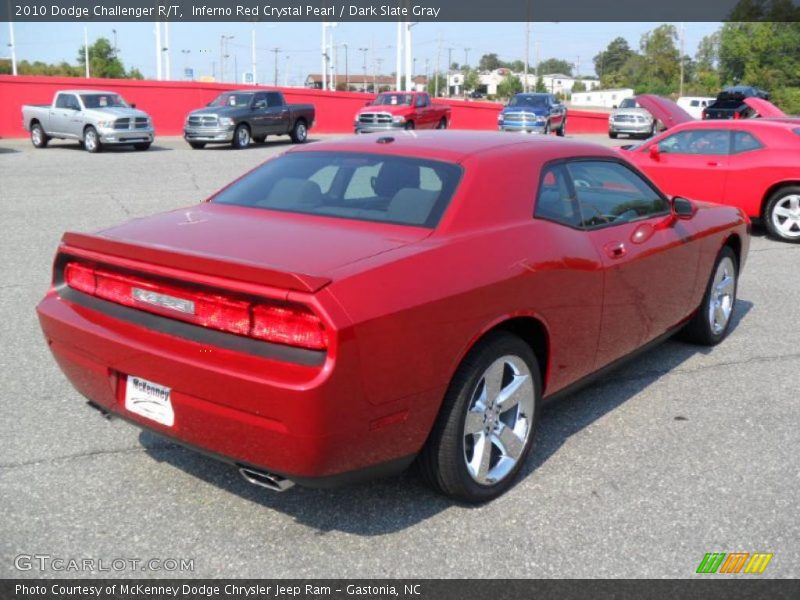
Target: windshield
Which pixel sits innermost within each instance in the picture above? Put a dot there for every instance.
(364, 187)
(393, 99)
(103, 101)
(232, 99)
(628, 103)
(536, 101)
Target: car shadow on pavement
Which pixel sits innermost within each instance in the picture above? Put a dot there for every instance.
(113, 149)
(389, 505)
(8, 151)
(281, 141)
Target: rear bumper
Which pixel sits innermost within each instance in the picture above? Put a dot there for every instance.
(208, 135)
(309, 423)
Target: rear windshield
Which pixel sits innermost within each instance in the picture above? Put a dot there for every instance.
(628, 103)
(364, 187)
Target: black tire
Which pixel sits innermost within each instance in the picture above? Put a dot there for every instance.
(790, 232)
(299, 133)
(613, 135)
(142, 146)
(409, 126)
(562, 131)
(546, 128)
(241, 137)
(259, 139)
(39, 138)
(699, 329)
(91, 140)
(442, 124)
(443, 460)
(197, 145)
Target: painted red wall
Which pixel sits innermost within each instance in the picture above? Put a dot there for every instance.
(168, 102)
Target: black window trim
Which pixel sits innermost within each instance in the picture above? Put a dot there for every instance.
(573, 193)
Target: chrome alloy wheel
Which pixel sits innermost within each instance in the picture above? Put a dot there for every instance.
(243, 137)
(302, 132)
(499, 420)
(36, 134)
(722, 296)
(786, 216)
(90, 140)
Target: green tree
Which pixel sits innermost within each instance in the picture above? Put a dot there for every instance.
(518, 66)
(509, 86)
(761, 54)
(613, 57)
(432, 84)
(489, 62)
(579, 86)
(471, 80)
(103, 60)
(765, 10)
(555, 65)
(540, 87)
(661, 66)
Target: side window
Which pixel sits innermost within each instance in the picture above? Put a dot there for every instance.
(260, 100)
(324, 178)
(421, 102)
(362, 182)
(67, 101)
(698, 141)
(744, 142)
(274, 99)
(555, 202)
(609, 193)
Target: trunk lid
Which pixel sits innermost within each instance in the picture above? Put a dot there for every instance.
(284, 250)
(666, 111)
(764, 108)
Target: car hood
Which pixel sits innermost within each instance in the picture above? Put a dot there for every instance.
(293, 245)
(665, 110)
(764, 108)
(116, 112)
(392, 109)
(536, 110)
(227, 111)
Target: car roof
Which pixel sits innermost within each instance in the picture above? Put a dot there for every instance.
(756, 123)
(455, 146)
(89, 92)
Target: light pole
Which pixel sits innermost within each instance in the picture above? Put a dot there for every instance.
(275, 81)
(364, 83)
(346, 70)
(223, 54)
(13, 47)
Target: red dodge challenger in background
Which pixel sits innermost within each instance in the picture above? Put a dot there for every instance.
(750, 163)
(350, 306)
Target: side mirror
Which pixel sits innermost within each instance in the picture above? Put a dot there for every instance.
(368, 102)
(655, 152)
(683, 208)
(614, 106)
(133, 105)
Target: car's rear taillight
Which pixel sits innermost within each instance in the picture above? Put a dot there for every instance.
(704, 114)
(289, 324)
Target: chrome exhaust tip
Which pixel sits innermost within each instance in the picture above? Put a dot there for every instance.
(273, 482)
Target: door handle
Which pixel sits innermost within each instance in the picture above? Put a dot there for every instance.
(615, 249)
(712, 163)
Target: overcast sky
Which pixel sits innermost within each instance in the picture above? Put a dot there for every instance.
(299, 44)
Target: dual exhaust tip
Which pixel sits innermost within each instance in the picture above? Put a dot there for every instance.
(273, 482)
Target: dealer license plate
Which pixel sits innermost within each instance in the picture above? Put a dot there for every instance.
(149, 400)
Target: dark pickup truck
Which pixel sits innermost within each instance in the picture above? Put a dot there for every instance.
(730, 103)
(239, 116)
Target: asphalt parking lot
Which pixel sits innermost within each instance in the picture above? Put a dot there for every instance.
(684, 451)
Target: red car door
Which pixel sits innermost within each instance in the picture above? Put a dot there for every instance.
(750, 172)
(692, 162)
(650, 265)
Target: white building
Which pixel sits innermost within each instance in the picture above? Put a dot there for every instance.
(601, 98)
(556, 83)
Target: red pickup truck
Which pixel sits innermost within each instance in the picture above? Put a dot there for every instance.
(402, 110)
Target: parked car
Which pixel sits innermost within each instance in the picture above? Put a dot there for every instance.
(694, 105)
(239, 116)
(352, 305)
(631, 119)
(730, 103)
(94, 118)
(751, 164)
(533, 113)
(402, 110)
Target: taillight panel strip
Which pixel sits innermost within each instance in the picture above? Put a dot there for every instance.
(269, 321)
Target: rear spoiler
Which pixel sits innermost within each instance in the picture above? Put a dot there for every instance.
(186, 261)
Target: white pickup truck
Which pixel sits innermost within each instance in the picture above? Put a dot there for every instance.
(94, 118)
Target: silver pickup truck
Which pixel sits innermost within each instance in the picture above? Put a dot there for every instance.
(94, 118)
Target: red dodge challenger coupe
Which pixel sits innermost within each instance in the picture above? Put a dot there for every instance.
(750, 163)
(347, 307)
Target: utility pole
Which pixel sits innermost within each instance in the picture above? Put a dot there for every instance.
(346, 70)
(449, 67)
(398, 69)
(167, 66)
(158, 50)
(537, 61)
(324, 53)
(438, 67)
(466, 58)
(408, 65)
(13, 47)
(680, 93)
(86, 50)
(253, 55)
(527, 48)
(364, 83)
(275, 81)
(376, 85)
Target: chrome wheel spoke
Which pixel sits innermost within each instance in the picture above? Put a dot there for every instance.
(509, 443)
(782, 211)
(493, 380)
(511, 395)
(481, 458)
(474, 423)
